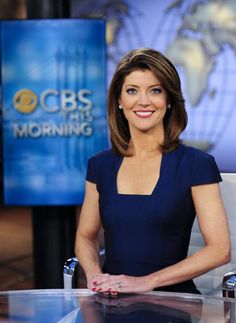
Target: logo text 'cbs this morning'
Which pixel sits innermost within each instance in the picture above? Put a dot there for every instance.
(53, 113)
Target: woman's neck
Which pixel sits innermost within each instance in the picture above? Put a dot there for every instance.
(145, 144)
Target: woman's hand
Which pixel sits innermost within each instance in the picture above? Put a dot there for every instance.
(94, 279)
(106, 283)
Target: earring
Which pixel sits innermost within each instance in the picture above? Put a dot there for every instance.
(168, 106)
(120, 107)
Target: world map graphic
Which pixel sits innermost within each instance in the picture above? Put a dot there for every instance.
(199, 37)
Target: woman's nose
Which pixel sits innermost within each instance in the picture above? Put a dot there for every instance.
(143, 99)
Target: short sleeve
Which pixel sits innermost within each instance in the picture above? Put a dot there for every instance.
(91, 171)
(204, 170)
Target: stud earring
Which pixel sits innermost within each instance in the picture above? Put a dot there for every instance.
(120, 107)
(168, 106)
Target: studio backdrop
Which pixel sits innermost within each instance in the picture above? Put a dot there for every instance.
(199, 37)
(53, 103)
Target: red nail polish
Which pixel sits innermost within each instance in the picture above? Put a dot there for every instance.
(97, 289)
(94, 283)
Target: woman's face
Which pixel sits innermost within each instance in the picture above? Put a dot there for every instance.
(143, 100)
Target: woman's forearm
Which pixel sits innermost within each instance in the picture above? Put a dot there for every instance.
(200, 262)
(86, 251)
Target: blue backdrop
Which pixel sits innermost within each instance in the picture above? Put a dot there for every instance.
(54, 115)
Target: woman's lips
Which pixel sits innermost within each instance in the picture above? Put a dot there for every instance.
(144, 114)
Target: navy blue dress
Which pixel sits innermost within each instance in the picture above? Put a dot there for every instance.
(146, 233)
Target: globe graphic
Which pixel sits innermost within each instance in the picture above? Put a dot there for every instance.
(199, 37)
(202, 46)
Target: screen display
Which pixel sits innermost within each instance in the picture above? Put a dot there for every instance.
(53, 105)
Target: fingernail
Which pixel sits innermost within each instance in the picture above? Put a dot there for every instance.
(94, 283)
(113, 295)
(93, 289)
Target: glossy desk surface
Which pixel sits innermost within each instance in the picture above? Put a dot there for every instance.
(80, 305)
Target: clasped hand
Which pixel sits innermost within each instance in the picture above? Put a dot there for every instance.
(114, 284)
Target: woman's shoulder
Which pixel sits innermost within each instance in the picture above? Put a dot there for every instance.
(199, 165)
(103, 155)
(190, 152)
(99, 165)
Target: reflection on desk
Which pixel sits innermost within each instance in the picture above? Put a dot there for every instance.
(82, 306)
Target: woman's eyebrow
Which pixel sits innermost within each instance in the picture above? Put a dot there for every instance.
(136, 85)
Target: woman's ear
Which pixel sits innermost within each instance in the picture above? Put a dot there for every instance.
(120, 105)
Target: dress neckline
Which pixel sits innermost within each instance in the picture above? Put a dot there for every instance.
(117, 168)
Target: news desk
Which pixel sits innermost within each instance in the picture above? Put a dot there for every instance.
(82, 306)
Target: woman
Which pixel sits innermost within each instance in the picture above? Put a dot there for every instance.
(146, 190)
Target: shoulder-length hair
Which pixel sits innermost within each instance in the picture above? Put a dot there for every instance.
(175, 119)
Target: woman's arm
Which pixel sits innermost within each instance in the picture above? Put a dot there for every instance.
(86, 245)
(214, 228)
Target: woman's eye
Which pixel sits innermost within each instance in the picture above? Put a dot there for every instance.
(131, 91)
(156, 90)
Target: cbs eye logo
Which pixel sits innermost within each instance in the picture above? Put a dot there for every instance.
(25, 101)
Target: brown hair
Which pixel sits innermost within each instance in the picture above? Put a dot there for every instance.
(175, 119)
